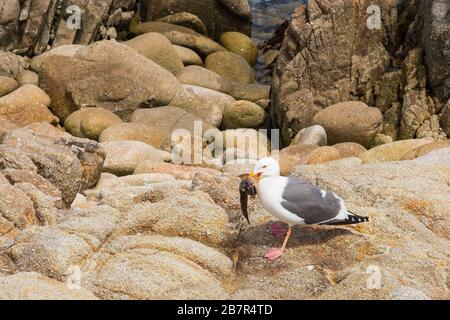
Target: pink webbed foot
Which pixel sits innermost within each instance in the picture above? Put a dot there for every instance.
(278, 230)
(274, 253)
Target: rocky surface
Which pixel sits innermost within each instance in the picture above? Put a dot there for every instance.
(121, 143)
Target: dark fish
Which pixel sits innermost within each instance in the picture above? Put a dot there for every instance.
(247, 187)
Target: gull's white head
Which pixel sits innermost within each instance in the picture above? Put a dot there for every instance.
(265, 168)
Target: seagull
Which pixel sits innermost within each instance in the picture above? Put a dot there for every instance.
(295, 201)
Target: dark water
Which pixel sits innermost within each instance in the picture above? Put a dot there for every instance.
(269, 14)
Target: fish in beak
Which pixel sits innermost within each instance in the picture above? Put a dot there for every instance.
(247, 187)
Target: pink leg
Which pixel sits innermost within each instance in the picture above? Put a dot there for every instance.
(278, 230)
(275, 253)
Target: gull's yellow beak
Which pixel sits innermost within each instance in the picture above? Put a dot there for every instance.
(255, 176)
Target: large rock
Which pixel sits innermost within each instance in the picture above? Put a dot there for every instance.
(26, 105)
(350, 122)
(156, 267)
(298, 154)
(157, 48)
(122, 157)
(243, 114)
(391, 68)
(231, 66)
(425, 149)
(7, 85)
(66, 50)
(34, 286)
(95, 120)
(218, 16)
(393, 151)
(127, 131)
(202, 77)
(88, 78)
(241, 44)
(70, 164)
(181, 36)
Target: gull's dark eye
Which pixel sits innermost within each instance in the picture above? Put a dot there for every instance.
(264, 167)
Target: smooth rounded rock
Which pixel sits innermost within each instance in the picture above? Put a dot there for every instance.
(241, 44)
(243, 114)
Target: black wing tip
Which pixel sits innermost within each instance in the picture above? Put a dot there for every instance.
(351, 219)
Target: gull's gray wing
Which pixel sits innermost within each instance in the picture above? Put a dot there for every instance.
(309, 202)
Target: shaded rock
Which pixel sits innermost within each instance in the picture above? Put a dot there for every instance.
(186, 19)
(181, 36)
(349, 149)
(314, 135)
(214, 97)
(28, 77)
(243, 114)
(188, 56)
(7, 85)
(95, 120)
(157, 48)
(16, 207)
(202, 77)
(445, 119)
(127, 131)
(241, 44)
(122, 157)
(33, 286)
(425, 149)
(217, 16)
(394, 151)
(231, 66)
(72, 124)
(350, 122)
